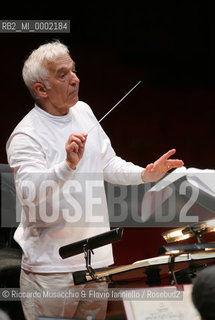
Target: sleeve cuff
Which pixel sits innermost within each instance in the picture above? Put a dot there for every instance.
(63, 171)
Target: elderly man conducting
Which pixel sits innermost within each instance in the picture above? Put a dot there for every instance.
(52, 158)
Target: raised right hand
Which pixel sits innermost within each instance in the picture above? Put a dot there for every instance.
(75, 148)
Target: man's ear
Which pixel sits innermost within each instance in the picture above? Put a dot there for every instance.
(40, 90)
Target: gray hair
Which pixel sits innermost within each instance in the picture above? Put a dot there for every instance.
(34, 71)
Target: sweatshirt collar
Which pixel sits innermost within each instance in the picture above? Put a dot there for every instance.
(44, 113)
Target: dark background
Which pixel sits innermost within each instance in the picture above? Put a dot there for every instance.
(169, 46)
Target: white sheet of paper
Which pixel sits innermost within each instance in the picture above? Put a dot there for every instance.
(203, 179)
(163, 310)
(159, 193)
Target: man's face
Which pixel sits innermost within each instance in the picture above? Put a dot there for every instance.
(64, 84)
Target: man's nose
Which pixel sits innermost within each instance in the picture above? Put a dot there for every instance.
(73, 78)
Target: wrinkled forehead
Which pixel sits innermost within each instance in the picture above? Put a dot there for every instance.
(59, 63)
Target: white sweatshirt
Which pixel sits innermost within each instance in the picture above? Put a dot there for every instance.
(59, 205)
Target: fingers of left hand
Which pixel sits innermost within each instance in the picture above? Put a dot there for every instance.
(169, 154)
(149, 167)
(175, 163)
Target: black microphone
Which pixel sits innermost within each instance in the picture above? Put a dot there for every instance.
(91, 243)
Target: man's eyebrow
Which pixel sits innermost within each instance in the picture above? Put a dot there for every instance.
(64, 67)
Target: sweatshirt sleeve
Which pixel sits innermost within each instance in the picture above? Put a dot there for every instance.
(28, 163)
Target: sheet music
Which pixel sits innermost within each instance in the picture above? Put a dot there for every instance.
(163, 310)
(183, 257)
(202, 180)
(159, 193)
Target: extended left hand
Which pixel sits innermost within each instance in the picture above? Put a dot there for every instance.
(155, 171)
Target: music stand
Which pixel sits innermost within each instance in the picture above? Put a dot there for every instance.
(87, 245)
